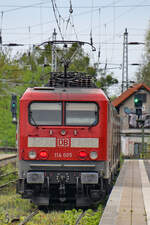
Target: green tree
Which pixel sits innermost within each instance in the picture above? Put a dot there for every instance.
(143, 74)
(105, 82)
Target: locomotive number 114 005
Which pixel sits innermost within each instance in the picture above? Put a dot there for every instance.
(63, 155)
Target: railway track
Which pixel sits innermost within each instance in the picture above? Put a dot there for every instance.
(10, 182)
(7, 158)
(7, 178)
(80, 217)
(29, 217)
(8, 149)
(36, 211)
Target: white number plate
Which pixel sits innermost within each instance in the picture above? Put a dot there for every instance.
(63, 155)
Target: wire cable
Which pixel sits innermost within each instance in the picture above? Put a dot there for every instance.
(26, 6)
(54, 11)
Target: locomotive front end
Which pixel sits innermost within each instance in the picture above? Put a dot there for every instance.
(62, 145)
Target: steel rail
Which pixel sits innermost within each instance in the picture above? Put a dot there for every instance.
(28, 218)
(80, 217)
(7, 174)
(11, 149)
(7, 159)
(6, 184)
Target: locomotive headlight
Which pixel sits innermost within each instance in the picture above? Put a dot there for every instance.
(93, 155)
(32, 154)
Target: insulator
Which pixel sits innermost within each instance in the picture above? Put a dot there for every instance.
(91, 40)
(70, 10)
(99, 54)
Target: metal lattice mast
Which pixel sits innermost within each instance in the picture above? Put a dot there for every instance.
(54, 56)
(1, 44)
(125, 81)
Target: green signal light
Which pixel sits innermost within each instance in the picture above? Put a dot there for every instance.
(136, 100)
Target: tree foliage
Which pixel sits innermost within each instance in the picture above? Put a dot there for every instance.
(105, 82)
(143, 75)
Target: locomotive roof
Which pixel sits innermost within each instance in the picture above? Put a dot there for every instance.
(51, 93)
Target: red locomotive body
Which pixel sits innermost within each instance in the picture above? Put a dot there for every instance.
(68, 144)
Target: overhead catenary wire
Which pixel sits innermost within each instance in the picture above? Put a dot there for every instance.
(71, 20)
(132, 7)
(49, 22)
(67, 20)
(25, 6)
(19, 7)
(99, 33)
(41, 18)
(70, 12)
(114, 29)
(57, 22)
(73, 26)
(32, 5)
(71, 23)
(91, 37)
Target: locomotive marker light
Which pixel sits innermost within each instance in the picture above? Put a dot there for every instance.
(43, 155)
(14, 108)
(83, 154)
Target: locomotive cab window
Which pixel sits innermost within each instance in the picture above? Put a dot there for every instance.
(81, 114)
(45, 113)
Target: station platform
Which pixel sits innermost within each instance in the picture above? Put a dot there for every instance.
(129, 201)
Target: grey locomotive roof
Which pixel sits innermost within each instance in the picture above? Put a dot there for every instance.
(67, 90)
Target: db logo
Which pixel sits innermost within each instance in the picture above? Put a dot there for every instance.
(63, 142)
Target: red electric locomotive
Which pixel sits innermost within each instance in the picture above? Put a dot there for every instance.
(68, 142)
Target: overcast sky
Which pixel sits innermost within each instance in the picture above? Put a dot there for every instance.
(33, 21)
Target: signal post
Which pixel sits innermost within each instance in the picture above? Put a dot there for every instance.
(138, 103)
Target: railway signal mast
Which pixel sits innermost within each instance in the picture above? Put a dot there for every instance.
(138, 103)
(125, 62)
(14, 108)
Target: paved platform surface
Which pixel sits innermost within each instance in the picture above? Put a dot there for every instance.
(129, 201)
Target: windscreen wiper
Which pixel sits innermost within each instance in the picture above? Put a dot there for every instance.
(31, 117)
